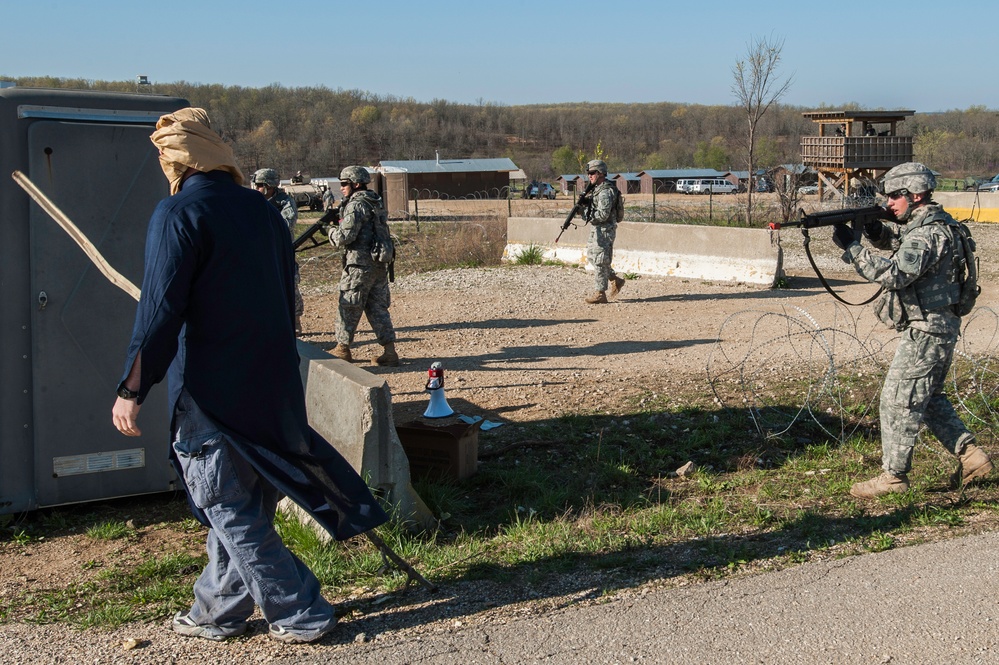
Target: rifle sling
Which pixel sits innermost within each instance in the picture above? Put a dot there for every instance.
(825, 284)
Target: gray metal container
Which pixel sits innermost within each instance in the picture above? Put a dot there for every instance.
(64, 328)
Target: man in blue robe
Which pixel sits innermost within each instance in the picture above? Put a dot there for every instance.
(216, 318)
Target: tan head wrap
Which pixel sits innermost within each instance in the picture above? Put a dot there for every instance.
(185, 139)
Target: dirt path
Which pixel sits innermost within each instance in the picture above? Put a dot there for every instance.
(519, 344)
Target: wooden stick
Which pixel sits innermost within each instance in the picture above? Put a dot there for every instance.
(76, 234)
(411, 573)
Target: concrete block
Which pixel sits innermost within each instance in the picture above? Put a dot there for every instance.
(976, 206)
(352, 409)
(712, 253)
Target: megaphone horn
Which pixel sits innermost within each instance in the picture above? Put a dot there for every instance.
(438, 407)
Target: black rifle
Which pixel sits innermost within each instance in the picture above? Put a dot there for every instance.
(856, 217)
(331, 216)
(582, 202)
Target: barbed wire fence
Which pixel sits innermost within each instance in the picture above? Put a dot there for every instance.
(784, 367)
(433, 205)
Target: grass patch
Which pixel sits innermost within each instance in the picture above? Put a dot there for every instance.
(112, 530)
(151, 588)
(533, 255)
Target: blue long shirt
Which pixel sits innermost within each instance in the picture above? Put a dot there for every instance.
(216, 317)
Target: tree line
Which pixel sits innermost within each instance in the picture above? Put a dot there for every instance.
(318, 130)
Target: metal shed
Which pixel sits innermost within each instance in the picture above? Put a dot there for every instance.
(627, 183)
(63, 327)
(455, 178)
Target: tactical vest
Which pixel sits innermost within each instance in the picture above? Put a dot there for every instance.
(617, 207)
(940, 286)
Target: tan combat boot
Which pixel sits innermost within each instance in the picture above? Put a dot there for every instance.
(342, 351)
(389, 357)
(616, 285)
(597, 298)
(886, 483)
(973, 463)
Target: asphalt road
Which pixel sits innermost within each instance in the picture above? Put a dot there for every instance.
(934, 603)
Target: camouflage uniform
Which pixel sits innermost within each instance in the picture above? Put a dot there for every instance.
(920, 288)
(603, 217)
(289, 211)
(329, 202)
(364, 285)
(286, 206)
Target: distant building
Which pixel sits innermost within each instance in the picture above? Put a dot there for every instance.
(571, 182)
(454, 178)
(627, 183)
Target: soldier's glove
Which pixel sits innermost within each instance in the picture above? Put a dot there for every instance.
(843, 235)
(873, 230)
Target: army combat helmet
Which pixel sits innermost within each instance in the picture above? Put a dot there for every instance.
(267, 177)
(912, 177)
(906, 179)
(355, 174)
(596, 165)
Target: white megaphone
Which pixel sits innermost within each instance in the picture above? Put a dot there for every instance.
(438, 407)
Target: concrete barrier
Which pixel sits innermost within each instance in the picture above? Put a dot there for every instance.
(713, 253)
(352, 409)
(977, 206)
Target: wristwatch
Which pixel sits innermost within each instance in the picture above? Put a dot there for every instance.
(125, 393)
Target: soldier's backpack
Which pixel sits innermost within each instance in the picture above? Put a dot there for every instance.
(382, 247)
(619, 205)
(967, 270)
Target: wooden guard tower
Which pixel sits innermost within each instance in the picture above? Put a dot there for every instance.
(852, 145)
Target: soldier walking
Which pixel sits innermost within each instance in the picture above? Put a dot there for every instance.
(603, 214)
(364, 283)
(921, 288)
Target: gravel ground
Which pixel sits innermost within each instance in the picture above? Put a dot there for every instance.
(518, 345)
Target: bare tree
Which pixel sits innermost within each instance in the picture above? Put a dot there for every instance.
(757, 88)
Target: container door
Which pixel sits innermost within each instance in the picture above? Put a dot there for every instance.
(107, 179)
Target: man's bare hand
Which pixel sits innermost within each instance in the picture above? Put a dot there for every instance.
(124, 416)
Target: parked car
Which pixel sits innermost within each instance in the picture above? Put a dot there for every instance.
(989, 185)
(805, 190)
(541, 190)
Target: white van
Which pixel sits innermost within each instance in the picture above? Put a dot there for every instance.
(712, 186)
(684, 186)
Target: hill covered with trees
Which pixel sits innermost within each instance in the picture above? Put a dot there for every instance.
(318, 130)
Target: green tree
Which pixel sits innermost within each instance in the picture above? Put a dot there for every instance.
(930, 144)
(365, 115)
(712, 155)
(565, 160)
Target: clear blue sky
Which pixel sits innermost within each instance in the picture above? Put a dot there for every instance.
(926, 56)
